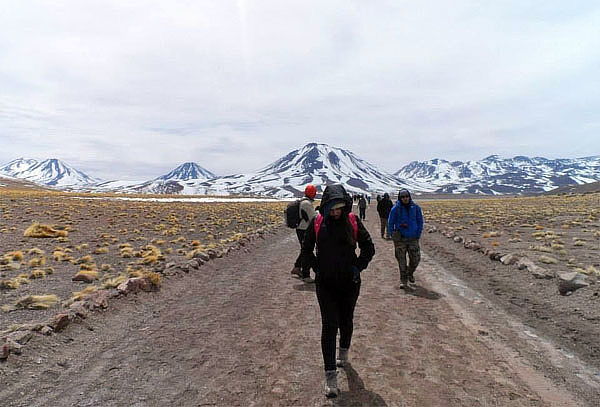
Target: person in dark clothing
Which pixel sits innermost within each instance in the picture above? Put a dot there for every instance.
(383, 209)
(335, 232)
(369, 199)
(405, 224)
(362, 207)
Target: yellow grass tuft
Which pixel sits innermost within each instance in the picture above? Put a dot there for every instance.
(36, 252)
(11, 284)
(100, 250)
(43, 231)
(37, 301)
(87, 274)
(37, 262)
(85, 259)
(79, 295)
(17, 255)
(37, 273)
(114, 282)
(548, 260)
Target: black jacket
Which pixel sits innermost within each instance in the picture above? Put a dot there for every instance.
(384, 207)
(336, 256)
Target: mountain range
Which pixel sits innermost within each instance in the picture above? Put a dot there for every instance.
(322, 165)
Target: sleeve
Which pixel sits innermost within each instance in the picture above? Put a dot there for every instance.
(420, 221)
(391, 220)
(307, 255)
(366, 246)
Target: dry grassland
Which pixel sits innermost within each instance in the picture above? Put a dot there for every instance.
(61, 247)
(561, 232)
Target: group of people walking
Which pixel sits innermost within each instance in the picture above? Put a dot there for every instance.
(335, 232)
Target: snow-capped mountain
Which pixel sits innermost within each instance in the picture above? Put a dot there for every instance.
(496, 175)
(187, 171)
(50, 172)
(318, 164)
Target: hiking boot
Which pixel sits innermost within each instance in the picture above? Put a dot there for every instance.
(308, 280)
(342, 358)
(296, 272)
(411, 278)
(331, 387)
(403, 284)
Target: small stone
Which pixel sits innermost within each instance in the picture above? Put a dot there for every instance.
(458, 239)
(47, 330)
(572, 281)
(14, 347)
(21, 337)
(510, 258)
(97, 299)
(5, 351)
(60, 321)
(540, 272)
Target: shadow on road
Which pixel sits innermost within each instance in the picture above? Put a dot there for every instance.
(304, 287)
(357, 395)
(423, 292)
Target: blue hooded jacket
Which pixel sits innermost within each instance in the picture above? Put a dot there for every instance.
(407, 219)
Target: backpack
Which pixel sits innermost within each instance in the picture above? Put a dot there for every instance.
(351, 218)
(292, 214)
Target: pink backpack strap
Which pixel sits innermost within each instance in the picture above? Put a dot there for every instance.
(318, 221)
(351, 218)
(354, 223)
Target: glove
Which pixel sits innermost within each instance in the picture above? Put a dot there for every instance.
(355, 275)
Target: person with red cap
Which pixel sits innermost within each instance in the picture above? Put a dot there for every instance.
(307, 213)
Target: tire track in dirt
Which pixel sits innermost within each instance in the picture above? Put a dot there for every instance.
(240, 331)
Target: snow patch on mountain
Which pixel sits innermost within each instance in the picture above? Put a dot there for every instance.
(51, 172)
(494, 175)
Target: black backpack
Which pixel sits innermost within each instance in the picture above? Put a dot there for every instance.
(292, 214)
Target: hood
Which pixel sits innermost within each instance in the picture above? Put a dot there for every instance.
(386, 196)
(402, 192)
(332, 195)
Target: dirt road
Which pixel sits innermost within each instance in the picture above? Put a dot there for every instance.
(241, 331)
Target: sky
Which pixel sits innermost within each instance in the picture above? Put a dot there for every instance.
(131, 89)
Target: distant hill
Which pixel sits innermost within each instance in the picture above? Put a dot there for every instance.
(576, 189)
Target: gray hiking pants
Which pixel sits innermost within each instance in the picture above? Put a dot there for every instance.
(402, 248)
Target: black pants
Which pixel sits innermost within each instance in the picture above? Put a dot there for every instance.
(362, 214)
(298, 263)
(337, 304)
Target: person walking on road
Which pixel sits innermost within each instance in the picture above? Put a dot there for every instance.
(307, 213)
(362, 207)
(383, 209)
(405, 224)
(335, 232)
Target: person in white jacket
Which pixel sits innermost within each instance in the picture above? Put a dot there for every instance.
(307, 213)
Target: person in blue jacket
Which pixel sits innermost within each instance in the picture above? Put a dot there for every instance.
(405, 225)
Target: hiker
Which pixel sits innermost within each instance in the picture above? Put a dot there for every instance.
(335, 231)
(362, 207)
(383, 209)
(307, 213)
(405, 225)
(369, 199)
(378, 198)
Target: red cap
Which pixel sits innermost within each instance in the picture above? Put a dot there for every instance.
(310, 191)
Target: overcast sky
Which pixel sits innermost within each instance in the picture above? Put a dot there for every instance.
(131, 89)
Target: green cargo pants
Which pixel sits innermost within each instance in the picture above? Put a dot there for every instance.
(402, 247)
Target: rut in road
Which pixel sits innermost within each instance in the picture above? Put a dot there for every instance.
(241, 331)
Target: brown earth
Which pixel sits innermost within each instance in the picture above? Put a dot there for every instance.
(241, 331)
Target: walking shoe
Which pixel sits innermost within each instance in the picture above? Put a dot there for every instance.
(342, 358)
(411, 278)
(331, 387)
(308, 280)
(403, 284)
(296, 272)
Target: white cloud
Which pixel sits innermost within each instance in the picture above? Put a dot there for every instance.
(119, 86)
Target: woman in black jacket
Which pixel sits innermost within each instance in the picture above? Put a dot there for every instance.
(335, 233)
